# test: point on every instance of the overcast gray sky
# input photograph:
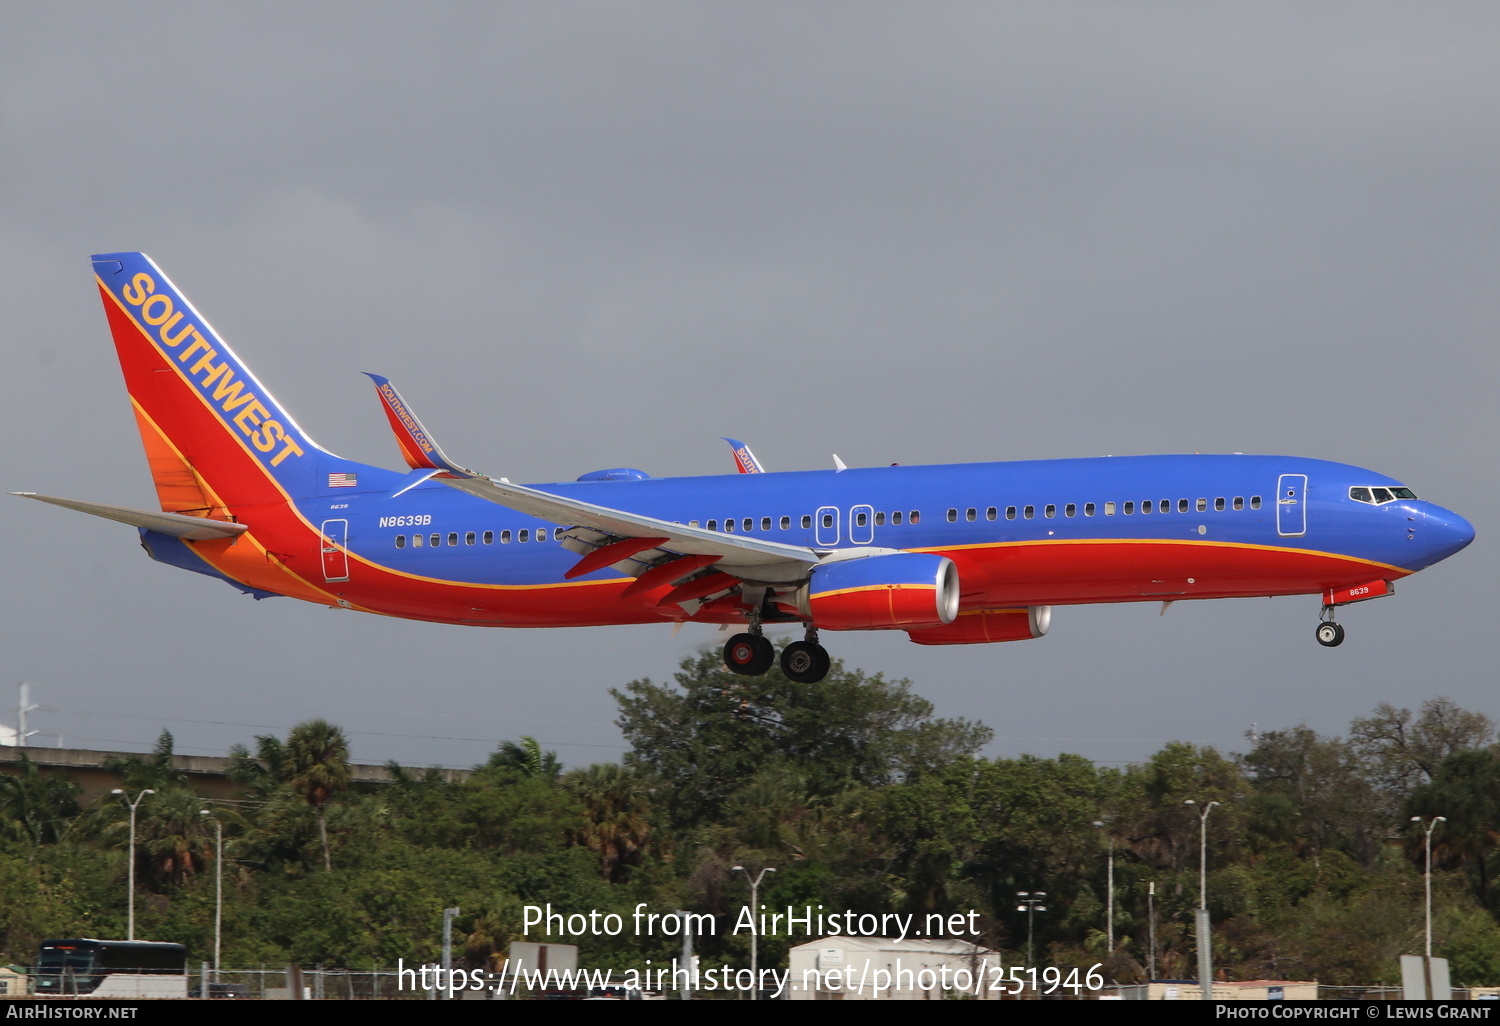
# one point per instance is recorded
(592, 235)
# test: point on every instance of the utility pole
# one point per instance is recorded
(133, 805)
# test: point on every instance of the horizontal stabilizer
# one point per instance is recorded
(174, 524)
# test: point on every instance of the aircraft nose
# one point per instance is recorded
(1442, 532)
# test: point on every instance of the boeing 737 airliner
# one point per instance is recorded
(952, 555)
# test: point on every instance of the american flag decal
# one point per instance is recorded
(342, 480)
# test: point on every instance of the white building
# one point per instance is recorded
(885, 969)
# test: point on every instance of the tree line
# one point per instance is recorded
(851, 789)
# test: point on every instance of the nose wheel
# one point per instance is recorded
(1330, 632)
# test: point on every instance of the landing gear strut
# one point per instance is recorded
(1330, 632)
(806, 661)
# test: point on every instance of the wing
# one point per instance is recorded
(652, 550)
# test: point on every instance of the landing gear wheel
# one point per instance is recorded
(1330, 634)
(749, 654)
(805, 662)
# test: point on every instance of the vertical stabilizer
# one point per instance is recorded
(215, 437)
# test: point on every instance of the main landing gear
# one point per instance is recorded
(1330, 631)
(751, 654)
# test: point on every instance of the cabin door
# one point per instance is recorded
(335, 556)
(1291, 505)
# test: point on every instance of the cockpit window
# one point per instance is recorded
(1379, 496)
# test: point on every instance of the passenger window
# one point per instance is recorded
(1202, 505)
(879, 519)
(1146, 506)
(953, 516)
(489, 537)
(713, 525)
(1050, 510)
(1071, 509)
(524, 536)
(436, 540)
(1255, 502)
(453, 538)
(1088, 509)
(806, 521)
(827, 520)
(693, 523)
(915, 517)
(971, 514)
(786, 523)
(1182, 505)
(416, 541)
(765, 523)
(1109, 509)
(400, 541)
(991, 513)
(1219, 504)
(1010, 512)
(1029, 512)
(1239, 502)
(896, 517)
(748, 525)
(541, 534)
(861, 520)
(1165, 506)
(728, 525)
(1129, 508)
(469, 538)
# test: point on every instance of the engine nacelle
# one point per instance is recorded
(900, 591)
(987, 625)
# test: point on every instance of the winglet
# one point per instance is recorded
(744, 459)
(416, 445)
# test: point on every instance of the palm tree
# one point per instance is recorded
(316, 766)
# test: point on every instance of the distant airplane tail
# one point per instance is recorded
(215, 437)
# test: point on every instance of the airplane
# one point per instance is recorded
(952, 555)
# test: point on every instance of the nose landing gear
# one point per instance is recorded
(1330, 632)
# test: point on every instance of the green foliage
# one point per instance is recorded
(712, 733)
(851, 790)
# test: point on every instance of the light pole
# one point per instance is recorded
(1200, 918)
(130, 930)
(1109, 918)
(754, 907)
(218, 888)
(1151, 931)
(1031, 904)
(1428, 845)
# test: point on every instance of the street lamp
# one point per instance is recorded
(1110, 915)
(218, 888)
(138, 799)
(1031, 903)
(1200, 918)
(1428, 845)
(754, 906)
